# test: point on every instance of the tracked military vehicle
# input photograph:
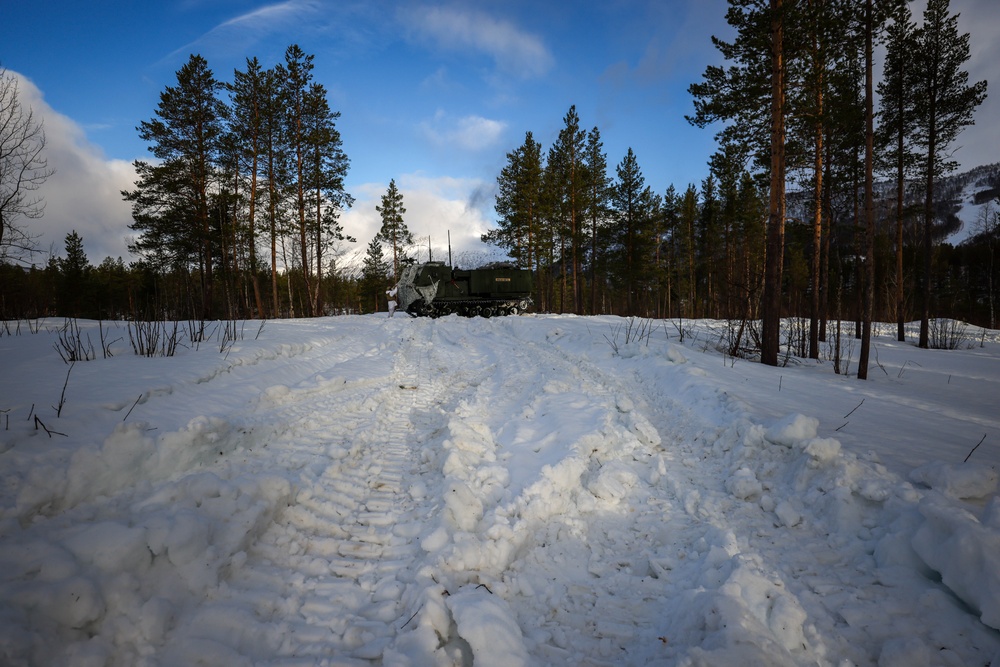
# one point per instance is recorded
(435, 289)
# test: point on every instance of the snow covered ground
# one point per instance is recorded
(529, 490)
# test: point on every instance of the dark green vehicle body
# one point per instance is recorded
(435, 289)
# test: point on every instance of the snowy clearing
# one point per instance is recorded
(526, 490)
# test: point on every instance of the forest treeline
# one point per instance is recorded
(820, 203)
(790, 221)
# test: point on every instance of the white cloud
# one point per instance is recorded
(84, 192)
(471, 133)
(435, 207)
(512, 49)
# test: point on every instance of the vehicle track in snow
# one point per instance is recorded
(680, 534)
(592, 578)
(338, 573)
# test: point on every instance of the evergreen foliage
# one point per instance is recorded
(267, 167)
(394, 230)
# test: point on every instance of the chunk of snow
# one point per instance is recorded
(613, 481)
(743, 484)
(957, 480)
(486, 622)
(792, 429)
(966, 554)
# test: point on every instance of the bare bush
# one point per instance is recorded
(70, 344)
(634, 329)
(946, 334)
(152, 339)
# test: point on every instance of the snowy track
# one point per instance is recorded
(330, 580)
(488, 492)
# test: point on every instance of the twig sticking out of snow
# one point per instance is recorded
(855, 408)
(62, 396)
(38, 422)
(132, 408)
(975, 448)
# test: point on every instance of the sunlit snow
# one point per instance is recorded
(531, 490)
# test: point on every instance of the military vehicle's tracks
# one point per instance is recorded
(333, 580)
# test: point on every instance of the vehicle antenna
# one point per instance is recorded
(449, 249)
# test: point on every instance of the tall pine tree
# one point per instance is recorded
(897, 100)
(170, 205)
(518, 204)
(945, 104)
(598, 205)
(394, 230)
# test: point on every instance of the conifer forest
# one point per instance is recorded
(828, 204)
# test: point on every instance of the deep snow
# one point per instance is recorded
(518, 491)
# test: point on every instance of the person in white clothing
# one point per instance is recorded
(391, 293)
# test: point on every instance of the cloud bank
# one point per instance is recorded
(84, 193)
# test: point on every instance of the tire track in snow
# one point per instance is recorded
(788, 569)
(552, 591)
(335, 577)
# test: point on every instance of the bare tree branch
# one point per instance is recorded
(23, 169)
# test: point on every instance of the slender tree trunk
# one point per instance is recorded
(301, 194)
(814, 310)
(900, 185)
(824, 280)
(318, 289)
(900, 191)
(206, 240)
(858, 250)
(593, 258)
(253, 235)
(925, 291)
(869, 283)
(771, 303)
(272, 212)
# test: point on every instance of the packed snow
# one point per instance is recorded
(534, 490)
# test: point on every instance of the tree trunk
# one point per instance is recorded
(771, 303)
(869, 283)
(925, 291)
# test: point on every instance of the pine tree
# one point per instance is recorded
(569, 194)
(709, 245)
(325, 170)
(686, 244)
(598, 205)
(896, 125)
(945, 104)
(868, 297)
(666, 247)
(394, 230)
(74, 272)
(276, 173)
(824, 28)
(756, 81)
(374, 273)
(170, 205)
(519, 191)
(634, 207)
(247, 108)
(296, 82)
(774, 254)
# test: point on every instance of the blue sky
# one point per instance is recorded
(431, 94)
